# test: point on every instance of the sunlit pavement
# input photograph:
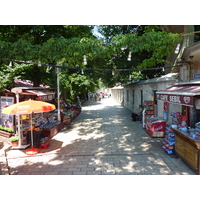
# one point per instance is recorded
(102, 140)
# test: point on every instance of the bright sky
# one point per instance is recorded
(102, 12)
(96, 33)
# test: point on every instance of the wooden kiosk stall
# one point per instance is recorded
(187, 143)
(188, 149)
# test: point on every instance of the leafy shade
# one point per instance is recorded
(159, 44)
(68, 44)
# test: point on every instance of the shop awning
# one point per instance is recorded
(179, 94)
(43, 95)
(39, 92)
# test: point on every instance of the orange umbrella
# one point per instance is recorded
(29, 107)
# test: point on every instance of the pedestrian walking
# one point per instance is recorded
(100, 96)
(95, 97)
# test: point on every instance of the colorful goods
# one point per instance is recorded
(169, 140)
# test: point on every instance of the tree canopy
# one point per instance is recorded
(66, 46)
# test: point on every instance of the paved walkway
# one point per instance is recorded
(102, 140)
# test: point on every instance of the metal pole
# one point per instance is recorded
(31, 131)
(58, 92)
(18, 119)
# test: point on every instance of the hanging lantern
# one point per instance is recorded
(129, 56)
(10, 64)
(177, 49)
(84, 60)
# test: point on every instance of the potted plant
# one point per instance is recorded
(14, 141)
(7, 132)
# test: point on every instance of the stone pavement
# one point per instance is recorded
(102, 140)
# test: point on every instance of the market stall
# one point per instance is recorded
(26, 110)
(182, 132)
(46, 121)
(69, 113)
(187, 146)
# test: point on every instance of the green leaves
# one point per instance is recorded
(160, 44)
(68, 44)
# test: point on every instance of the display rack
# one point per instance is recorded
(149, 111)
(169, 140)
(47, 122)
(150, 108)
(175, 117)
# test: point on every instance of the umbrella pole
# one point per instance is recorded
(19, 130)
(33, 150)
(31, 131)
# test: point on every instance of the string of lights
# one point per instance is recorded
(92, 69)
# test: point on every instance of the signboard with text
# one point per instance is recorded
(196, 76)
(6, 120)
(178, 99)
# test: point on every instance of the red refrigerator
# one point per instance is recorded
(155, 127)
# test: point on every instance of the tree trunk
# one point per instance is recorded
(173, 58)
(36, 76)
(36, 82)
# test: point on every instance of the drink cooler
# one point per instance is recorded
(155, 127)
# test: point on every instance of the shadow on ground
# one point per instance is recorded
(101, 140)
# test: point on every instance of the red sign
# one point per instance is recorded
(178, 99)
(165, 106)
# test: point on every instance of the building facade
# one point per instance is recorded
(184, 96)
(137, 92)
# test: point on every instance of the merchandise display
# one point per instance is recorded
(169, 140)
(187, 140)
(150, 108)
(44, 125)
(70, 113)
(39, 119)
(179, 122)
(148, 112)
(42, 122)
(195, 133)
(175, 117)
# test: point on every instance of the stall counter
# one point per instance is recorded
(188, 149)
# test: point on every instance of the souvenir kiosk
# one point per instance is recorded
(184, 123)
(45, 121)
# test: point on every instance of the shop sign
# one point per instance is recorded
(46, 97)
(6, 120)
(196, 76)
(178, 99)
(16, 90)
